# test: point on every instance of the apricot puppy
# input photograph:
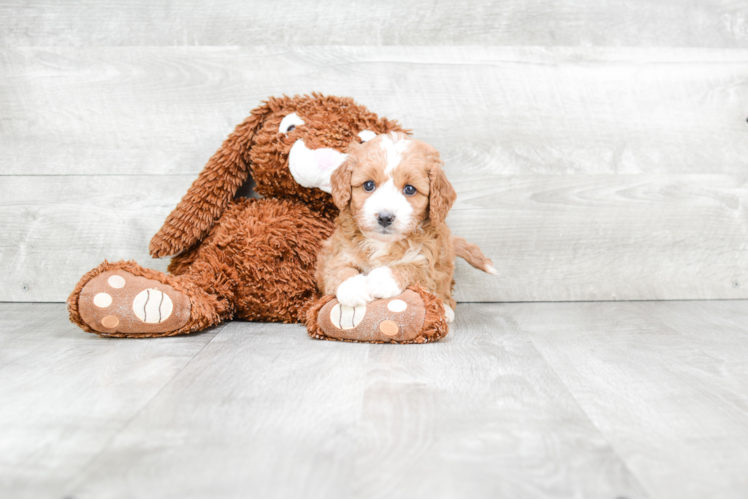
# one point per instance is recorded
(393, 198)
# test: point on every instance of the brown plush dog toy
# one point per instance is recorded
(252, 259)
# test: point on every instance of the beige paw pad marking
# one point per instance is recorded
(102, 300)
(116, 281)
(389, 328)
(397, 305)
(109, 321)
(152, 306)
(346, 317)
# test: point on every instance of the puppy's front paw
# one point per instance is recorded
(353, 291)
(382, 284)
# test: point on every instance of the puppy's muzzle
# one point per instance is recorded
(385, 218)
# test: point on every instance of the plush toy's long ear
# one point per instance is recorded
(208, 196)
(441, 194)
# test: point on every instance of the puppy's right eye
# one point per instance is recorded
(369, 186)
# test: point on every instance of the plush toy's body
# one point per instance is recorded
(242, 258)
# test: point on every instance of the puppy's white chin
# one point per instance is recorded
(384, 238)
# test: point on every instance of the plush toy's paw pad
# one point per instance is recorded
(346, 317)
(387, 320)
(120, 302)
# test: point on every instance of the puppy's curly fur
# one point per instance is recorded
(393, 197)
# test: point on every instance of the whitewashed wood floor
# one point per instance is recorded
(608, 399)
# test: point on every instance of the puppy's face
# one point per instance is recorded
(392, 184)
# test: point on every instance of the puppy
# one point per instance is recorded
(393, 197)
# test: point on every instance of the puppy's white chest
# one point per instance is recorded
(378, 250)
(386, 254)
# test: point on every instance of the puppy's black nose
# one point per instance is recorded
(385, 218)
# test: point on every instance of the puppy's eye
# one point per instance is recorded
(409, 190)
(290, 122)
(369, 186)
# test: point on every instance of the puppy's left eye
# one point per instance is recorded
(409, 190)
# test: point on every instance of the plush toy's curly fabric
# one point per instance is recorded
(239, 258)
(257, 146)
(260, 258)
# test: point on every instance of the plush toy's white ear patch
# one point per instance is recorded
(312, 168)
(367, 135)
(288, 121)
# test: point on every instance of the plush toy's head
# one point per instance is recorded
(289, 145)
(302, 140)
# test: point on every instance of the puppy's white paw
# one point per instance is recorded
(382, 284)
(449, 313)
(354, 291)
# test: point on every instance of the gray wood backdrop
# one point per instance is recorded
(599, 148)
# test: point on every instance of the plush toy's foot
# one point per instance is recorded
(117, 303)
(415, 316)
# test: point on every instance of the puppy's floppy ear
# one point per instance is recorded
(340, 184)
(340, 180)
(441, 193)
